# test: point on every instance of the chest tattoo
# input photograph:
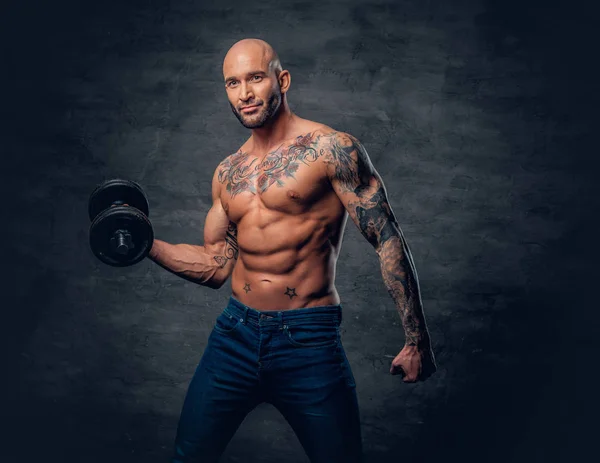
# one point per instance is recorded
(242, 173)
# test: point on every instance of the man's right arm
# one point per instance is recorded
(209, 265)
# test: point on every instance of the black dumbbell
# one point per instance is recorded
(121, 233)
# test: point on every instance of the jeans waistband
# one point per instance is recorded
(322, 314)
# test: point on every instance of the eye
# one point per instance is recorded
(257, 78)
(232, 83)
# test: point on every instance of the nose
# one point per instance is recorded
(245, 92)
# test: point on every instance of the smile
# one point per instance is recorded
(249, 109)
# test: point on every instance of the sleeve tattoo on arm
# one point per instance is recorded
(368, 206)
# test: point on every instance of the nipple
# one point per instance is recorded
(293, 195)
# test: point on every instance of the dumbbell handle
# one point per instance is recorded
(121, 241)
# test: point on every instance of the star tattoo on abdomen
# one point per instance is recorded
(291, 292)
(247, 287)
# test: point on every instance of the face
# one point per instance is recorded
(253, 89)
(256, 117)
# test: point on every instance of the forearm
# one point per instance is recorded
(400, 278)
(360, 188)
(188, 261)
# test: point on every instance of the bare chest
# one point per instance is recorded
(289, 180)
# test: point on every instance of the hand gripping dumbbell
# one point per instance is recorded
(121, 233)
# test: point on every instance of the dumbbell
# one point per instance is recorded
(120, 233)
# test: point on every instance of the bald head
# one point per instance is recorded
(256, 84)
(252, 52)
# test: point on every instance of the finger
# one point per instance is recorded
(397, 370)
(414, 374)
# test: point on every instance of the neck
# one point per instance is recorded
(275, 131)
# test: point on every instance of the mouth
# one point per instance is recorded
(249, 109)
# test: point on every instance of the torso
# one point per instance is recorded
(290, 222)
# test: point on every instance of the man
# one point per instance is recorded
(280, 205)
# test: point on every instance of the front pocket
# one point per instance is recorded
(226, 323)
(301, 336)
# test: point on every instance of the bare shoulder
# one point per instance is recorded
(325, 135)
(346, 160)
(222, 171)
(321, 133)
(233, 159)
(339, 146)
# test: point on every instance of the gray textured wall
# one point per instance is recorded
(479, 116)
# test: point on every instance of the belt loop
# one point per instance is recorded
(245, 316)
(281, 324)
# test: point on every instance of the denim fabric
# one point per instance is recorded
(292, 359)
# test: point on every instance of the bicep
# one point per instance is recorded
(217, 226)
(220, 234)
(361, 190)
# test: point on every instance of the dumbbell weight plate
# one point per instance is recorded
(121, 236)
(117, 191)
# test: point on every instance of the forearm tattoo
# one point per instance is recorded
(400, 280)
(355, 178)
(231, 246)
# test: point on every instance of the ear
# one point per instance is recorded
(285, 80)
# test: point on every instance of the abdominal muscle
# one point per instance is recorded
(287, 265)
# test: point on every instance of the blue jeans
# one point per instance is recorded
(292, 359)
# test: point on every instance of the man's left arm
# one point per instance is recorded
(362, 192)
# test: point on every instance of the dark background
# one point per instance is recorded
(480, 116)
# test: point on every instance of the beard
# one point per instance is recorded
(265, 114)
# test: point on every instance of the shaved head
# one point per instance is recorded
(255, 82)
(255, 50)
